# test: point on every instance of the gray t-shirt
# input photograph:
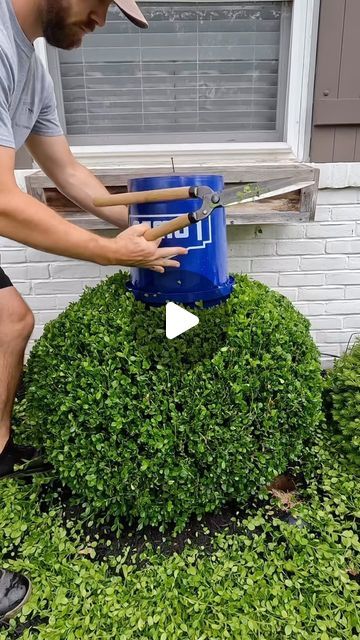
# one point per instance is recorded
(27, 99)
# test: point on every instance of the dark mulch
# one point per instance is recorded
(200, 532)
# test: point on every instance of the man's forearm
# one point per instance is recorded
(80, 185)
(26, 220)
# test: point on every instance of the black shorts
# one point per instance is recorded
(4, 280)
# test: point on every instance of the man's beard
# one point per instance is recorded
(57, 31)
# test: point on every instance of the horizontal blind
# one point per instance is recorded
(200, 67)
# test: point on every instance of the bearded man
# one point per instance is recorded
(28, 115)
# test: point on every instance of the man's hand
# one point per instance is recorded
(131, 249)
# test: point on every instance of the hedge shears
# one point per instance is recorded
(211, 200)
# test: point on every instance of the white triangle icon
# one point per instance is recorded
(178, 320)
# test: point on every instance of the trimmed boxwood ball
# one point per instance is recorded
(155, 429)
(343, 391)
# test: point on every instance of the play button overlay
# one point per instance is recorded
(178, 320)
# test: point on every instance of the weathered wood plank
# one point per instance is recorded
(248, 173)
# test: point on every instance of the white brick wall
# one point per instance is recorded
(315, 265)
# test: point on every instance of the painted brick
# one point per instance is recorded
(322, 214)
(37, 333)
(33, 255)
(62, 286)
(29, 346)
(109, 271)
(355, 336)
(330, 230)
(325, 175)
(332, 337)
(321, 293)
(301, 279)
(41, 302)
(331, 349)
(328, 322)
(299, 247)
(28, 272)
(239, 265)
(253, 248)
(343, 246)
(354, 262)
(11, 256)
(275, 264)
(62, 301)
(24, 288)
(239, 233)
(339, 175)
(352, 293)
(353, 176)
(74, 270)
(11, 244)
(310, 308)
(338, 196)
(270, 279)
(352, 322)
(327, 363)
(42, 317)
(345, 213)
(345, 307)
(323, 263)
(291, 294)
(278, 231)
(343, 277)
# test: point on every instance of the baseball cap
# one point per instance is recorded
(132, 12)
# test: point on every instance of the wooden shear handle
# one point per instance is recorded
(142, 197)
(168, 227)
(155, 195)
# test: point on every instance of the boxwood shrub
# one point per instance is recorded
(155, 429)
(343, 395)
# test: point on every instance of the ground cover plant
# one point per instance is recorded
(268, 580)
(343, 398)
(143, 427)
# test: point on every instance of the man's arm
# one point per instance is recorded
(76, 182)
(25, 219)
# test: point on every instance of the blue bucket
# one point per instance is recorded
(203, 272)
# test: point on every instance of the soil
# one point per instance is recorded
(112, 541)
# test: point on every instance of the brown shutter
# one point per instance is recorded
(336, 120)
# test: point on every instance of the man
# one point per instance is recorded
(28, 116)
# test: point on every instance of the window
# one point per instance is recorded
(203, 72)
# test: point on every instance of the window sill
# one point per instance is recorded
(184, 155)
(339, 175)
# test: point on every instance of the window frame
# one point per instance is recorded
(298, 115)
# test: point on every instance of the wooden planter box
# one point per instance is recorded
(296, 207)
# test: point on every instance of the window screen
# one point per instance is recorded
(202, 72)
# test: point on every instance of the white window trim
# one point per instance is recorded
(298, 117)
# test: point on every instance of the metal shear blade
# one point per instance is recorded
(242, 194)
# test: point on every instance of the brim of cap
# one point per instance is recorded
(132, 12)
